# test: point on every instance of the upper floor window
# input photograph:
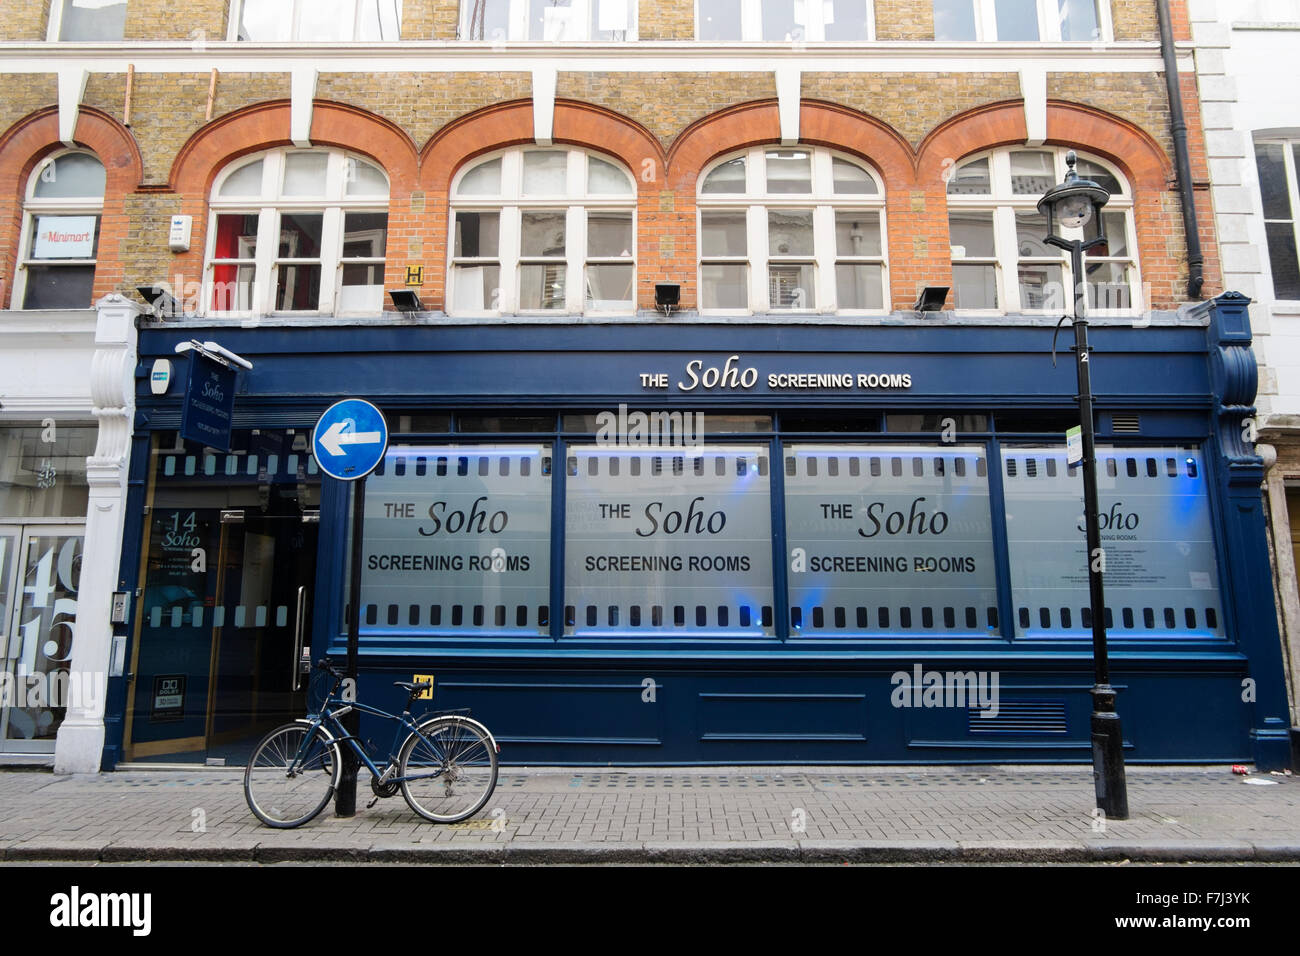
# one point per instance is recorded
(298, 231)
(1000, 258)
(1022, 20)
(791, 230)
(1277, 164)
(362, 21)
(784, 21)
(56, 258)
(543, 230)
(548, 20)
(88, 20)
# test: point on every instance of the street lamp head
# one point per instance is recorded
(1074, 203)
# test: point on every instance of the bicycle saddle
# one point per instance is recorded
(410, 688)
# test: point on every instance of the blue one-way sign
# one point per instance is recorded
(350, 439)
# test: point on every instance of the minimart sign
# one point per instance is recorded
(64, 237)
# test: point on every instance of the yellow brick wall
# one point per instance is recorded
(25, 93)
(1134, 19)
(912, 103)
(1140, 98)
(423, 104)
(666, 20)
(143, 252)
(166, 109)
(24, 20)
(430, 19)
(197, 20)
(666, 103)
(904, 19)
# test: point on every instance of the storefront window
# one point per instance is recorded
(43, 471)
(887, 539)
(1161, 575)
(668, 542)
(457, 540)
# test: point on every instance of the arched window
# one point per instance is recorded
(791, 230)
(65, 197)
(1000, 261)
(298, 230)
(338, 21)
(543, 230)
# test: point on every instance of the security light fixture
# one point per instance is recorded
(162, 302)
(931, 299)
(667, 296)
(406, 300)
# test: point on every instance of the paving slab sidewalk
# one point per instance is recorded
(676, 815)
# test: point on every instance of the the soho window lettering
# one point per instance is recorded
(879, 539)
(457, 539)
(889, 538)
(1161, 574)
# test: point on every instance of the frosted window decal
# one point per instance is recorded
(1161, 576)
(462, 549)
(677, 545)
(872, 550)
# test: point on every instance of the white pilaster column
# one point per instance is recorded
(80, 742)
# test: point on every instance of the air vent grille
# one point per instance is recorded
(1126, 424)
(1020, 717)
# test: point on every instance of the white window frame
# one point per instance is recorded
(517, 18)
(1289, 147)
(823, 201)
(1049, 23)
(269, 207)
(751, 23)
(55, 26)
(511, 204)
(299, 7)
(1004, 205)
(63, 206)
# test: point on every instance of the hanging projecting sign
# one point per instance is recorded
(209, 402)
(350, 439)
(64, 237)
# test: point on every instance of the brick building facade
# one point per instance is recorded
(532, 172)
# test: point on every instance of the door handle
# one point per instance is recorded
(299, 651)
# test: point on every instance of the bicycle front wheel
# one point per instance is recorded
(290, 777)
(448, 769)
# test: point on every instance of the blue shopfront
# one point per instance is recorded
(692, 543)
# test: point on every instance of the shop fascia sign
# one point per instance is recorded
(64, 237)
(732, 374)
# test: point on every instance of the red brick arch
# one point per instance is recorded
(33, 138)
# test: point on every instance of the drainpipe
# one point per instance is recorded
(1195, 260)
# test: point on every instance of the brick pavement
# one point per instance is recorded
(733, 814)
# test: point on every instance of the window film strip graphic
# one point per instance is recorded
(672, 541)
(889, 539)
(182, 610)
(457, 538)
(1160, 576)
(261, 466)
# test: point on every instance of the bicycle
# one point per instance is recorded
(446, 767)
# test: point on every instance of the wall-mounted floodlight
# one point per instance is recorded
(213, 351)
(406, 300)
(162, 302)
(667, 296)
(931, 299)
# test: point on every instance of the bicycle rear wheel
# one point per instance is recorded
(281, 798)
(449, 769)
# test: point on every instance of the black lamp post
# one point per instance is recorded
(1073, 205)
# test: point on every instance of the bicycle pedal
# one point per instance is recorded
(372, 803)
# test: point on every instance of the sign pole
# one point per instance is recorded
(345, 801)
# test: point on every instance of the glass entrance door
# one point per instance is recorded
(40, 571)
(226, 604)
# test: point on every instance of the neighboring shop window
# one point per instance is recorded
(889, 539)
(270, 21)
(65, 196)
(1161, 577)
(497, 21)
(1277, 164)
(543, 230)
(298, 231)
(1000, 259)
(43, 471)
(457, 540)
(784, 21)
(791, 230)
(1022, 20)
(675, 542)
(90, 20)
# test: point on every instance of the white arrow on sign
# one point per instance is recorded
(335, 438)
